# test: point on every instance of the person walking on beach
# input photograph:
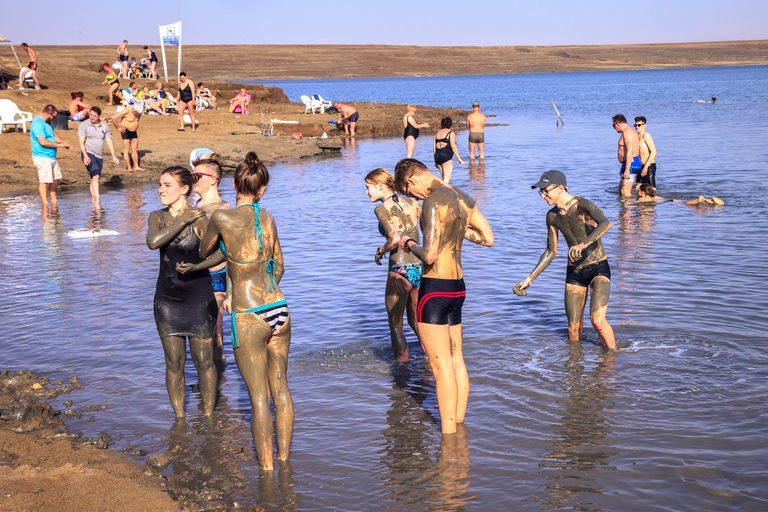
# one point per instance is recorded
(129, 127)
(184, 305)
(112, 80)
(349, 117)
(411, 130)
(186, 100)
(92, 134)
(448, 216)
(261, 322)
(444, 154)
(629, 154)
(44, 144)
(582, 224)
(398, 217)
(31, 66)
(122, 57)
(152, 63)
(476, 127)
(647, 155)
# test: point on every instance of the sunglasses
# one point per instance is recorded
(639, 124)
(198, 175)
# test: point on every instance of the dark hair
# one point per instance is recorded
(714, 99)
(146, 47)
(475, 104)
(446, 122)
(49, 109)
(640, 118)
(182, 175)
(96, 109)
(210, 164)
(182, 74)
(251, 175)
(619, 118)
(76, 95)
(406, 168)
(647, 189)
(200, 84)
(131, 84)
(24, 44)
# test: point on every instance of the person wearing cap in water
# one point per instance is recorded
(582, 224)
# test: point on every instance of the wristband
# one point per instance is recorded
(379, 253)
(410, 240)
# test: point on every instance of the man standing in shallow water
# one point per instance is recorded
(476, 126)
(44, 143)
(448, 216)
(582, 224)
(647, 155)
(92, 134)
(629, 154)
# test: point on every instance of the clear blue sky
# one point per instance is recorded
(425, 22)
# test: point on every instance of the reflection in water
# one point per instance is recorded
(477, 186)
(416, 470)
(578, 446)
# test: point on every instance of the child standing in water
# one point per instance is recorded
(261, 323)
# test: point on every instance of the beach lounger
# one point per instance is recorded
(319, 99)
(311, 104)
(10, 115)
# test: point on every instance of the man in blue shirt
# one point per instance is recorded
(44, 143)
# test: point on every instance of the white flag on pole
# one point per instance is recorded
(171, 35)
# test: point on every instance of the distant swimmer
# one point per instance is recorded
(184, 305)
(629, 154)
(261, 322)
(476, 127)
(647, 155)
(411, 130)
(705, 101)
(398, 218)
(448, 217)
(444, 147)
(646, 194)
(349, 117)
(582, 224)
(31, 66)
(129, 130)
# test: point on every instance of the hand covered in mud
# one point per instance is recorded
(404, 244)
(519, 288)
(183, 268)
(227, 304)
(377, 257)
(191, 216)
(574, 253)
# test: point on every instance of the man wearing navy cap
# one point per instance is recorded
(582, 224)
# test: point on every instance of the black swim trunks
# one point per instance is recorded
(585, 275)
(123, 58)
(440, 301)
(650, 176)
(128, 135)
(353, 118)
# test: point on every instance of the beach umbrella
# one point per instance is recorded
(6, 40)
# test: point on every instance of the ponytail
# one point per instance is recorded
(251, 175)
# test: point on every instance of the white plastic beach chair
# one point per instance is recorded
(11, 115)
(319, 99)
(311, 104)
(29, 81)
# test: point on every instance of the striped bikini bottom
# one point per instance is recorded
(275, 314)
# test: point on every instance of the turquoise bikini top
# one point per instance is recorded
(270, 263)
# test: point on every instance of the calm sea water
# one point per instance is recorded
(675, 421)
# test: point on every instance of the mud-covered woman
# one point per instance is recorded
(398, 217)
(185, 307)
(261, 325)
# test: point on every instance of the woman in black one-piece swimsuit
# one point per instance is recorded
(185, 306)
(186, 100)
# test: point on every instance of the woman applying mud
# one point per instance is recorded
(582, 224)
(185, 306)
(398, 217)
(261, 324)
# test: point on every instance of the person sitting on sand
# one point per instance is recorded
(647, 194)
(205, 97)
(240, 102)
(112, 80)
(78, 110)
(152, 100)
(4, 80)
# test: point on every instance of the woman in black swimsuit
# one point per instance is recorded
(185, 306)
(444, 154)
(411, 132)
(186, 100)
